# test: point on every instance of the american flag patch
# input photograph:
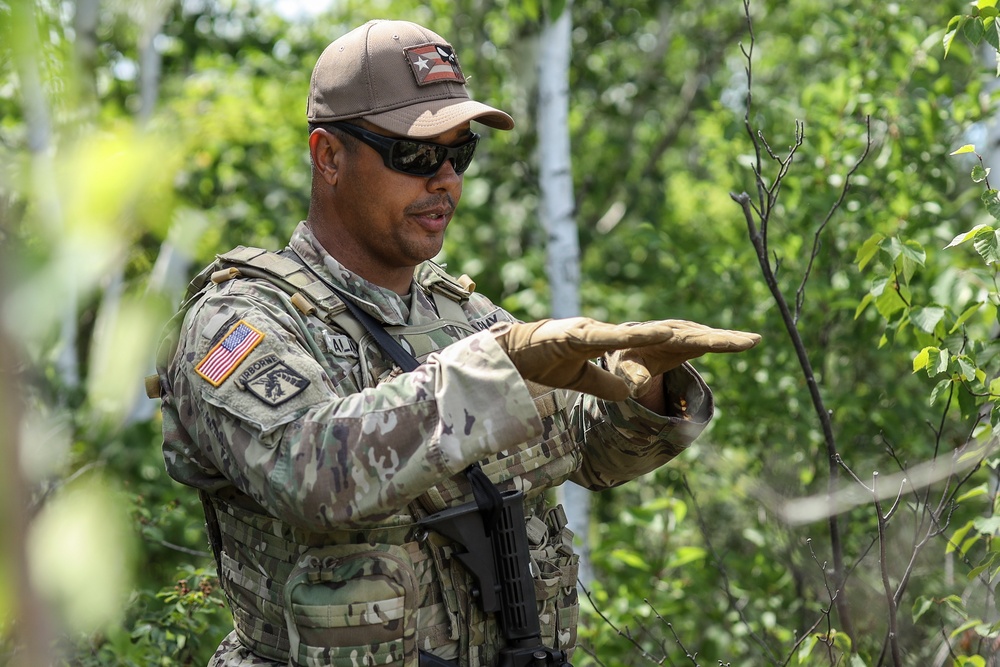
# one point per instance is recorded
(433, 63)
(227, 355)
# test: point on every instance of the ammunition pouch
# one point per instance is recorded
(352, 604)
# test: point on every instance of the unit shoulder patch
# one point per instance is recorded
(228, 353)
(272, 381)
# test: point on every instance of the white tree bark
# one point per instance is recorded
(557, 213)
(36, 632)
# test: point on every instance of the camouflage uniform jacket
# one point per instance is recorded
(315, 457)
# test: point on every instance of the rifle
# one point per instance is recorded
(498, 560)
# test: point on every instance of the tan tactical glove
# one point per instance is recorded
(556, 353)
(639, 365)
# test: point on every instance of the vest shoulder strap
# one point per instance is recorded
(447, 291)
(307, 293)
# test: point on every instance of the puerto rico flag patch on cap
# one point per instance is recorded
(227, 355)
(434, 63)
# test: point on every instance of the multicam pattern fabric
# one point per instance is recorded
(316, 457)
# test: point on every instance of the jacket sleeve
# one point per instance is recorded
(622, 441)
(274, 424)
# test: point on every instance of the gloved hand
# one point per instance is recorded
(638, 365)
(556, 353)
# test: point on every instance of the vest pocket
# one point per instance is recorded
(555, 584)
(558, 601)
(352, 605)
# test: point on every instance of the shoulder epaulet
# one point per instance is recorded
(434, 277)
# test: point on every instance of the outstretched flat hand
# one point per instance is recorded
(638, 365)
(557, 353)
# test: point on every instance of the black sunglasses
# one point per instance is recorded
(416, 158)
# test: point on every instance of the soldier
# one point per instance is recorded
(330, 400)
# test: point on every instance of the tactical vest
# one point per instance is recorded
(350, 597)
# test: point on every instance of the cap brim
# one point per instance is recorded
(431, 118)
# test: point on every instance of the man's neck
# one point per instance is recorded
(391, 278)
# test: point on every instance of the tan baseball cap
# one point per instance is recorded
(398, 75)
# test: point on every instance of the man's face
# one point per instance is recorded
(384, 222)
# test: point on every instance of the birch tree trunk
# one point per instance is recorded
(29, 608)
(563, 250)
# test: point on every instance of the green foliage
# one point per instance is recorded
(976, 27)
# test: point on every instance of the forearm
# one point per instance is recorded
(656, 398)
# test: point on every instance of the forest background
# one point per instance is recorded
(840, 509)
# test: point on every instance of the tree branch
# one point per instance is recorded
(758, 237)
(890, 598)
(800, 294)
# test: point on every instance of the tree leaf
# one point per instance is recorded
(889, 303)
(979, 173)
(992, 201)
(684, 555)
(807, 647)
(923, 358)
(975, 492)
(893, 247)
(865, 301)
(966, 314)
(878, 286)
(965, 236)
(868, 250)
(949, 38)
(939, 389)
(973, 30)
(992, 35)
(967, 148)
(968, 625)
(630, 558)
(967, 369)
(942, 361)
(914, 251)
(987, 525)
(927, 319)
(957, 537)
(979, 569)
(920, 606)
(987, 244)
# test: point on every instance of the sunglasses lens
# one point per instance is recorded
(463, 158)
(418, 158)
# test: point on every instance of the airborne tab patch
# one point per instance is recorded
(434, 63)
(272, 381)
(227, 355)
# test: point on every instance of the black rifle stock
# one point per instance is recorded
(501, 566)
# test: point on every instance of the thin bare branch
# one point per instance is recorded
(626, 633)
(800, 294)
(890, 598)
(687, 654)
(721, 568)
(819, 407)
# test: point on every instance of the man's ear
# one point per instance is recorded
(327, 153)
